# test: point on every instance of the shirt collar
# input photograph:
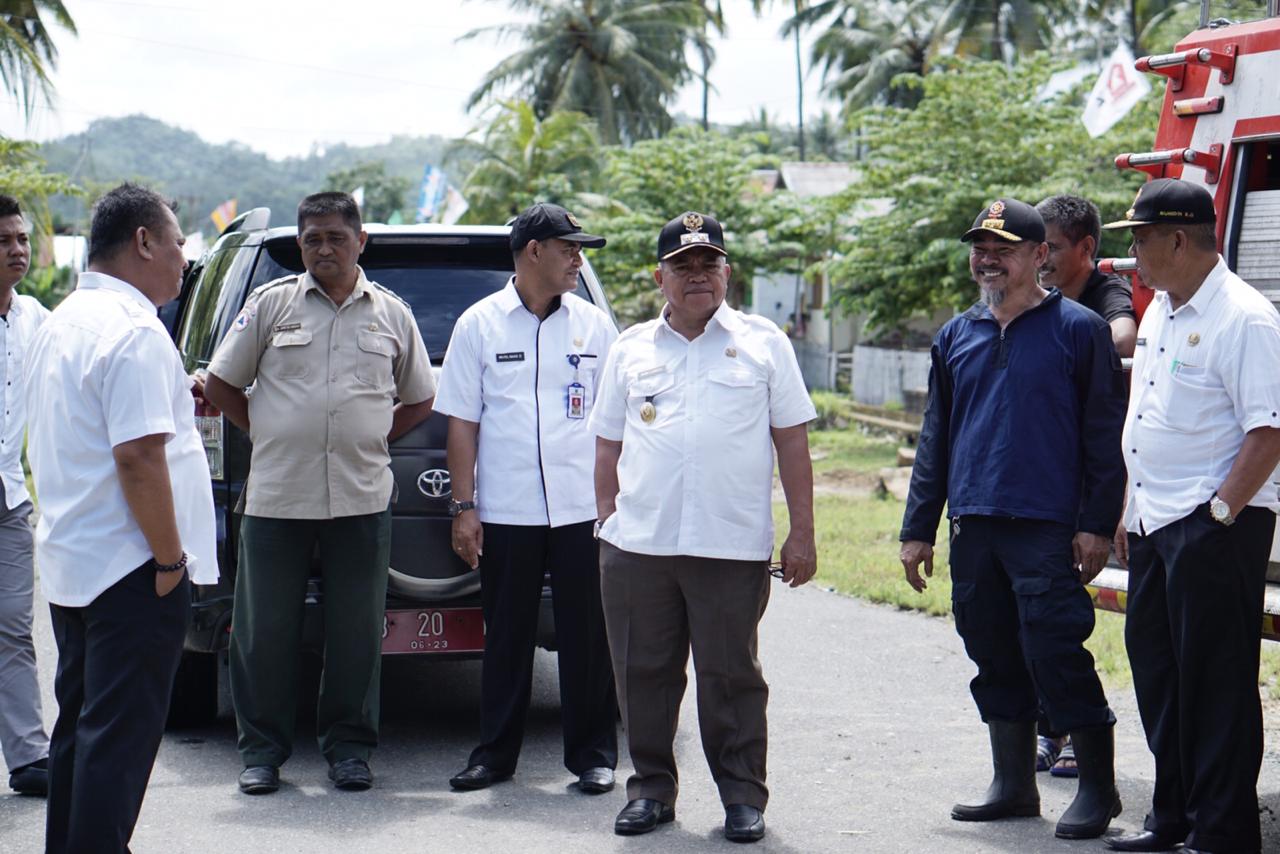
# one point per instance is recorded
(1209, 288)
(509, 300)
(725, 316)
(90, 280)
(362, 287)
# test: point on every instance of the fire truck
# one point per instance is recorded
(1220, 127)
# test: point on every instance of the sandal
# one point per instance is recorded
(1066, 764)
(1046, 752)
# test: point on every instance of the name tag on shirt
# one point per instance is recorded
(577, 401)
(286, 327)
(511, 357)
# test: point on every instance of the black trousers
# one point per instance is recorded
(1024, 617)
(511, 572)
(1194, 613)
(117, 657)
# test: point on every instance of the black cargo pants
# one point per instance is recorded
(1024, 617)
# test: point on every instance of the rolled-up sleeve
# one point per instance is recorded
(928, 492)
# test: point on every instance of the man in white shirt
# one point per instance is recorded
(691, 407)
(126, 517)
(518, 384)
(22, 735)
(1202, 439)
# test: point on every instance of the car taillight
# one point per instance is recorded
(209, 424)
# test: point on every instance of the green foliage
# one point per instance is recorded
(979, 132)
(27, 51)
(47, 284)
(383, 194)
(521, 159)
(24, 176)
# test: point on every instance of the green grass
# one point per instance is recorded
(857, 538)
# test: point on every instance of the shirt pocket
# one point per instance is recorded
(658, 391)
(292, 354)
(374, 353)
(735, 395)
(1195, 395)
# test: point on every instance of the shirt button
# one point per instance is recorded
(1153, 382)
(1161, 349)
(1135, 450)
(1139, 417)
(1138, 484)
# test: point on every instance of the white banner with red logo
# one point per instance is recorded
(1119, 87)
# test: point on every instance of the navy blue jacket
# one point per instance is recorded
(1022, 423)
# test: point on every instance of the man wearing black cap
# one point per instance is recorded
(691, 406)
(1021, 441)
(518, 384)
(1201, 439)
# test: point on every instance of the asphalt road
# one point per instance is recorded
(873, 737)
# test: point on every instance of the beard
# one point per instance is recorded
(993, 297)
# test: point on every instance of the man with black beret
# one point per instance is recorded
(1021, 441)
(518, 383)
(1201, 440)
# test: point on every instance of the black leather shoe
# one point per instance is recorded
(476, 777)
(641, 816)
(31, 779)
(743, 823)
(351, 775)
(596, 781)
(1146, 840)
(259, 779)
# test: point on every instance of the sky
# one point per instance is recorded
(284, 76)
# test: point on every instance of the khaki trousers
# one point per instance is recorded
(656, 608)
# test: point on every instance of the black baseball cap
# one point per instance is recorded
(689, 231)
(545, 221)
(1168, 200)
(1008, 219)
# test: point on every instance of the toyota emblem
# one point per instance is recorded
(434, 483)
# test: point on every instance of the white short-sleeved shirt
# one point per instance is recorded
(16, 331)
(103, 371)
(1204, 375)
(511, 374)
(697, 479)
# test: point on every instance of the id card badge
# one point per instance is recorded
(577, 400)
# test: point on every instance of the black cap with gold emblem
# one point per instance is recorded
(689, 231)
(1168, 200)
(1008, 219)
(545, 221)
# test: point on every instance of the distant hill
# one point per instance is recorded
(202, 175)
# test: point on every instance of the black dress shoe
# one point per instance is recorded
(1146, 840)
(641, 816)
(596, 781)
(351, 775)
(477, 777)
(743, 823)
(259, 779)
(31, 779)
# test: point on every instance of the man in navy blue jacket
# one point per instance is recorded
(1021, 440)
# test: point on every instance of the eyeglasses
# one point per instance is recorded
(775, 569)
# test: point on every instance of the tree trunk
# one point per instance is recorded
(799, 85)
(1133, 28)
(706, 87)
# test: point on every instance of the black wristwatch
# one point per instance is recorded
(457, 508)
(170, 567)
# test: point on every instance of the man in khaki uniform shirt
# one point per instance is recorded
(327, 352)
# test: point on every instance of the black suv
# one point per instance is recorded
(433, 602)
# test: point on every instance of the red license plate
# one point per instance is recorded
(433, 630)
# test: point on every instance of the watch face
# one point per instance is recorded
(1219, 510)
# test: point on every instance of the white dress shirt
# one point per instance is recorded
(511, 373)
(103, 371)
(16, 331)
(697, 479)
(1204, 375)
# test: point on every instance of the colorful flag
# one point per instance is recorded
(454, 206)
(431, 195)
(396, 218)
(1119, 87)
(223, 214)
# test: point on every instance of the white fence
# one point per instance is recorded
(880, 375)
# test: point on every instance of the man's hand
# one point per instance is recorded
(468, 537)
(167, 581)
(799, 557)
(197, 386)
(1121, 543)
(1090, 551)
(912, 554)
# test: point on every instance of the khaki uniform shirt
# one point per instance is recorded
(324, 381)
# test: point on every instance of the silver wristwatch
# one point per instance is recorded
(1220, 512)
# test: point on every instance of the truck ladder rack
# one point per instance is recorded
(1154, 162)
(1174, 65)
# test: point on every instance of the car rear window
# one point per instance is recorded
(439, 279)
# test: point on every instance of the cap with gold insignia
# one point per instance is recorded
(545, 221)
(1008, 219)
(689, 231)
(1169, 200)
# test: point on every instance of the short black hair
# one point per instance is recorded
(1201, 235)
(1075, 217)
(119, 214)
(327, 204)
(9, 206)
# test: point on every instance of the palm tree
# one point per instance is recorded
(618, 61)
(714, 20)
(793, 26)
(27, 51)
(521, 159)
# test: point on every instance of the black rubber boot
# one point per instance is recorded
(1013, 785)
(1097, 801)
